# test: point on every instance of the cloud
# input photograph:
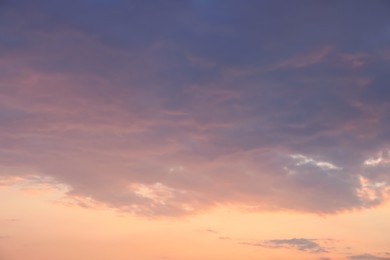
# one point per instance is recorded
(298, 62)
(12, 220)
(302, 160)
(31, 184)
(212, 231)
(368, 257)
(301, 244)
(176, 115)
(380, 159)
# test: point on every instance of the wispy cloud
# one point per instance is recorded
(12, 220)
(212, 231)
(298, 62)
(301, 244)
(368, 257)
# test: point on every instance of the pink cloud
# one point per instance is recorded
(145, 131)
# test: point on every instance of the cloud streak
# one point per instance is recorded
(301, 244)
(368, 257)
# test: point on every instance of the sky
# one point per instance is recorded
(194, 129)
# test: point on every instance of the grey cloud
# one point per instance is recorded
(301, 244)
(109, 103)
(368, 257)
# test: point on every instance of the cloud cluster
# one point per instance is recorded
(192, 109)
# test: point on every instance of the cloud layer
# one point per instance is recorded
(174, 108)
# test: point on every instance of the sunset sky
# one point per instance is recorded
(194, 130)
